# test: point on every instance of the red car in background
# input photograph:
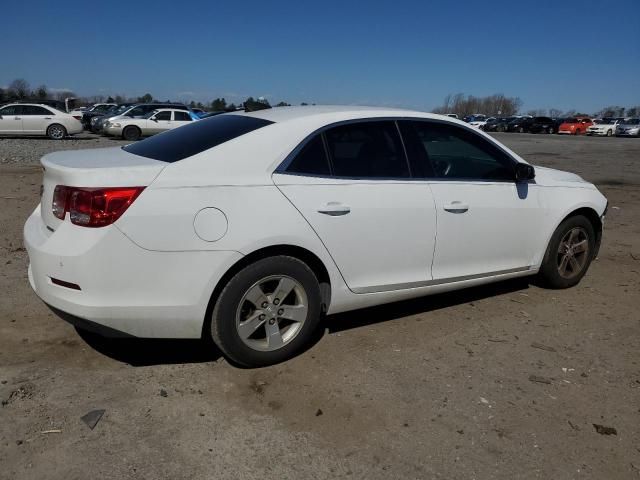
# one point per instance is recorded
(575, 126)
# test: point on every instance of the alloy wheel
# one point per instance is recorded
(272, 313)
(56, 132)
(573, 253)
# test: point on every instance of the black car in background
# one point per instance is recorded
(497, 124)
(99, 112)
(542, 125)
(519, 124)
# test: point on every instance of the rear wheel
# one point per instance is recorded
(56, 132)
(267, 312)
(577, 131)
(569, 253)
(131, 133)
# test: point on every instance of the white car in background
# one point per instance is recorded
(154, 122)
(481, 123)
(248, 227)
(604, 127)
(36, 119)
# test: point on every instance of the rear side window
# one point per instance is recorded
(12, 110)
(311, 160)
(163, 116)
(367, 150)
(35, 110)
(181, 116)
(196, 137)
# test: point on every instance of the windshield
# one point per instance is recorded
(571, 120)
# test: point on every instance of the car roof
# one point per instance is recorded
(335, 113)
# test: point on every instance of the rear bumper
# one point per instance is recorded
(123, 288)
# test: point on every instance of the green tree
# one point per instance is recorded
(3, 95)
(283, 104)
(218, 105)
(110, 99)
(41, 92)
(19, 89)
(146, 98)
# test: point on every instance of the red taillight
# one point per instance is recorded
(93, 207)
(77, 117)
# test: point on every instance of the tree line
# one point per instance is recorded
(500, 105)
(458, 103)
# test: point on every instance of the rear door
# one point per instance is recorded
(487, 223)
(180, 118)
(11, 120)
(353, 185)
(35, 119)
(160, 122)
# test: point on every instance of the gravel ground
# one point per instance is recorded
(506, 381)
(28, 151)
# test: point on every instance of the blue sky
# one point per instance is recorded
(580, 55)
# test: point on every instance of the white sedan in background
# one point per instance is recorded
(247, 228)
(154, 122)
(36, 119)
(604, 127)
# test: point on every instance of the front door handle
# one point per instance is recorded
(456, 207)
(334, 209)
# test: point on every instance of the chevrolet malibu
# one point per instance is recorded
(248, 228)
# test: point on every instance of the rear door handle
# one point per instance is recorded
(334, 209)
(456, 207)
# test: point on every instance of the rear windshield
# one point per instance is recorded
(201, 135)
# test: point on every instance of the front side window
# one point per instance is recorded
(450, 152)
(181, 116)
(312, 159)
(367, 150)
(12, 110)
(138, 111)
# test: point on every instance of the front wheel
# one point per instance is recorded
(609, 133)
(267, 312)
(56, 132)
(131, 133)
(569, 253)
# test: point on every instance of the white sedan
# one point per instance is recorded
(157, 121)
(35, 119)
(249, 227)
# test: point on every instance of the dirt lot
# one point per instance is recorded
(435, 388)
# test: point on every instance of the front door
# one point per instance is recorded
(487, 223)
(11, 120)
(377, 224)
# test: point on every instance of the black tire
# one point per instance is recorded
(228, 309)
(55, 131)
(609, 133)
(131, 133)
(550, 270)
(521, 130)
(577, 132)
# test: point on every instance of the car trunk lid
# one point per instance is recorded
(103, 167)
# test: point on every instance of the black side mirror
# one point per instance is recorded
(524, 172)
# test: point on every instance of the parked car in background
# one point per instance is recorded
(452, 115)
(157, 121)
(137, 110)
(90, 121)
(37, 119)
(474, 118)
(189, 217)
(498, 125)
(629, 128)
(481, 123)
(78, 113)
(541, 125)
(575, 126)
(604, 127)
(519, 124)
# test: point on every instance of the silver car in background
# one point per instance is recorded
(630, 128)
